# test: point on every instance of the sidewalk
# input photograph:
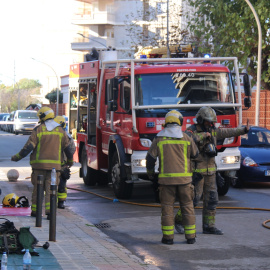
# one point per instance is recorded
(79, 244)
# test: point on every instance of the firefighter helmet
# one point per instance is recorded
(12, 200)
(206, 113)
(61, 121)
(45, 113)
(174, 117)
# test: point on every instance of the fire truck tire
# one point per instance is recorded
(122, 190)
(88, 174)
(225, 188)
(237, 181)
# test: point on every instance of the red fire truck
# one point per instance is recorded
(118, 106)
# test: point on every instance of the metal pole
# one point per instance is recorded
(53, 199)
(168, 47)
(57, 90)
(40, 193)
(259, 65)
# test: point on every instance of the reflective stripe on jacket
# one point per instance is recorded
(47, 147)
(174, 159)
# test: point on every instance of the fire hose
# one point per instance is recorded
(158, 205)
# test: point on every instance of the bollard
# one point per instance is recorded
(53, 200)
(40, 193)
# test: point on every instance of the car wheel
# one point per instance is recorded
(122, 190)
(89, 175)
(237, 182)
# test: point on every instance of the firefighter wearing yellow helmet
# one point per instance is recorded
(205, 134)
(174, 150)
(65, 171)
(46, 143)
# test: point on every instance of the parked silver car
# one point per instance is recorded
(24, 121)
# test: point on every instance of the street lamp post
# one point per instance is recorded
(257, 107)
(57, 90)
(168, 46)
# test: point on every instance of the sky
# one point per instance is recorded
(39, 29)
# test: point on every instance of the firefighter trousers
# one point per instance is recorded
(62, 190)
(207, 188)
(46, 188)
(168, 194)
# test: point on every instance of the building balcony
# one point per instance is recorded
(100, 17)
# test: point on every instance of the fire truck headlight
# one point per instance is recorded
(229, 140)
(146, 142)
(139, 162)
(230, 159)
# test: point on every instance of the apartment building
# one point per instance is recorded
(127, 25)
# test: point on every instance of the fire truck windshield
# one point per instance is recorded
(183, 88)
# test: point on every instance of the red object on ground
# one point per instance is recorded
(15, 211)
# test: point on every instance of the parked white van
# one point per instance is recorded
(24, 121)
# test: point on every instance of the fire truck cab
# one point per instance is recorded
(118, 106)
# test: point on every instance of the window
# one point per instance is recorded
(125, 95)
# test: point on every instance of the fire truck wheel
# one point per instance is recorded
(224, 189)
(122, 190)
(88, 174)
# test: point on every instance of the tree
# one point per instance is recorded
(25, 91)
(52, 96)
(228, 28)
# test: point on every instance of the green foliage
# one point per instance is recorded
(228, 28)
(52, 96)
(25, 92)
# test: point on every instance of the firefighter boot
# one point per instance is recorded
(61, 204)
(167, 241)
(191, 241)
(179, 228)
(211, 230)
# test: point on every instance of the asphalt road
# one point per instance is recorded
(244, 245)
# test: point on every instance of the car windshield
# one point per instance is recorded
(27, 115)
(183, 88)
(256, 138)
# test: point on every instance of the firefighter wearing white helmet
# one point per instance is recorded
(205, 135)
(174, 150)
(46, 143)
(65, 171)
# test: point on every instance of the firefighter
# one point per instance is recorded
(174, 150)
(46, 143)
(205, 134)
(65, 171)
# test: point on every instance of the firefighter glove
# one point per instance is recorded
(16, 157)
(65, 173)
(196, 178)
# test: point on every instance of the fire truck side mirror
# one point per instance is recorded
(247, 87)
(247, 102)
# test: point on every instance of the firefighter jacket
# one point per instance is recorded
(174, 156)
(205, 164)
(46, 147)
